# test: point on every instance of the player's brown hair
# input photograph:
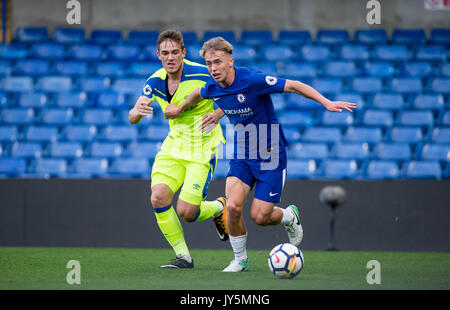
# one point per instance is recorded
(218, 44)
(172, 35)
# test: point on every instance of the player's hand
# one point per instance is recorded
(142, 106)
(172, 111)
(338, 106)
(210, 120)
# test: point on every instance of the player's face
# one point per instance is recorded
(171, 56)
(220, 65)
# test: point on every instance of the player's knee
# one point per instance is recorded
(234, 209)
(260, 219)
(159, 200)
(187, 214)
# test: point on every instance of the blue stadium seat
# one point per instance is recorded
(20, 116)
(299, 70)
(410, 134)
(27, 149)
(429, 102)
(41, 133)
(340, 68)
(266, 67)
(97, 116)
(351, 97)
(128, 86)
(26, 34)
(371, 135)
(148, 52)
(67, 150)
(112, 69)
(120, 133)
(5, 67)
(295, 101)
(417, 169)
(123, 52)
(142, 37)
(244, 54)
(31, 67)
(146, 150)
(407, 85)
(292, 134)
(301, 169)
(296, 118)
(409, 36)
(94, 167)
(315, 151)
(256, 37)
(335, 36)
(87, 52)
(315, 53)
(367, 85)
(370, 36)
(417, 69)
(94, 84)
(13, 51)
(392, 151)
(8, 133)
(328, 135)
(17, 84)
(445, 119)
(54, 84)
(13, 166)
(328, 85)
(445, 70)
(440, 135)
(354, 52)
(294, 37)
(391, 53)
(192, 54)
(131, 167)
(59, 116)
(142, 69)
(382, 169)
(357, 151)
(105, 149)
(71, 68)
(82, 133)
(71, 99)
(68, 35)
(276, 52)
(422, 118)
(435, 53)
(378, 118)
(440, 35)
(344, 119)
(379, 69)
(49, 51)
(340, 169)
(226, 34)
(155, 133)
(112, 100)
(33, 100)
(434, 151)
(105, 37)
(189, 37)
(388, 101)
(54, 167)
(441, 85)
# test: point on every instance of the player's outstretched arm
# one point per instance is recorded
(173, 110)
(140, 109)
(309, 92)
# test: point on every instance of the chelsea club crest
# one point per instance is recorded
(241, 98)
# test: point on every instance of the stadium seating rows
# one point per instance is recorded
(65, 96)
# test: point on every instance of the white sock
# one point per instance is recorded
(239, 245)
(288, 217)
(187, 257)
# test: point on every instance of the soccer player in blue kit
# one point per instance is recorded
(259, 143)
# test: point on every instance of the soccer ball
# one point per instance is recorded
(285, 261)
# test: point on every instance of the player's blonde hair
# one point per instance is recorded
(217, 44)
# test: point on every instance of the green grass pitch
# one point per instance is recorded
(25, 268)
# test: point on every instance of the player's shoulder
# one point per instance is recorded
(194, 67)
(158, 75)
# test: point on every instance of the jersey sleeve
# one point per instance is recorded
(205, 90)
(147, 90)
(264, 84)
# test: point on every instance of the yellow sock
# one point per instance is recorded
(171, 228)
(208, 209)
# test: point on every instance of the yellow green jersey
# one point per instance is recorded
(185, 139)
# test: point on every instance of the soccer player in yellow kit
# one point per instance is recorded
(188, 156)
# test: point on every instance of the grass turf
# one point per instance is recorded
(24, 268)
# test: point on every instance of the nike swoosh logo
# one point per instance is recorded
(278, 259)
(217, 98)
(296, 217)
(272, 194)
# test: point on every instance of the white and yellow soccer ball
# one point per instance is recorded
(285, 261)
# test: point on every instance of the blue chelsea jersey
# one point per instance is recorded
(248, 105)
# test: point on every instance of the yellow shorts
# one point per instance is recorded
(192, 176)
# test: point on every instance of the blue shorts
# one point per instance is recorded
(269, 183)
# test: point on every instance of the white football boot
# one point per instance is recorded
(295, 229)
